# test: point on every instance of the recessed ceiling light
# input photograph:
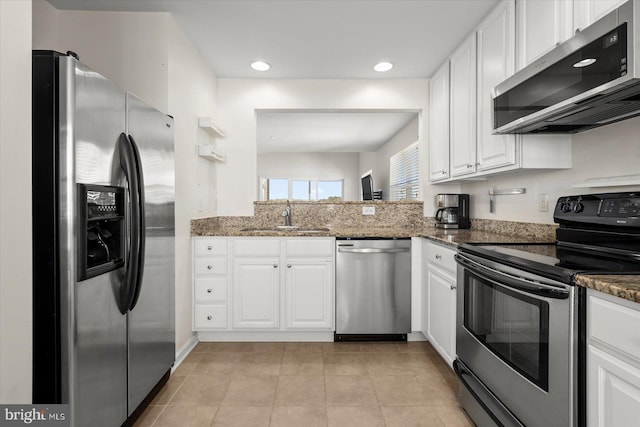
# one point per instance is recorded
(260, 66)
(381, 67)
(584, 63)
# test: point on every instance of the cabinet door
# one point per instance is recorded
(496, 62)
(255, 293)
(441, 322)
(586, 12)
(613, 390)
(541, 25)
(463, 108)
(439, 124)
(309, 294)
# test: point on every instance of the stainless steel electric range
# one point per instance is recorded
(521, 321)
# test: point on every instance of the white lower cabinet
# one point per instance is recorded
(263, 284)
(256, 286)
(613, 361)
(309, 294)
(439, 300)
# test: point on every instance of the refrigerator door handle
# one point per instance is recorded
(142, 226)
(128, 165)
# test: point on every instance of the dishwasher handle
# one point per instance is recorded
(374, 250)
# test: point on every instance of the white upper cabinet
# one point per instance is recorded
(439, 124)
(541, 25)
(586, 12)
(463, 108)
(496, 62)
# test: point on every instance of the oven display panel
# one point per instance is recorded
(625, 208)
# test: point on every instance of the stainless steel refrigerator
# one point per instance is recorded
(103, 244)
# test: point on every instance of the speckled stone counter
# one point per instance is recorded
(455, 237)
(626, 286)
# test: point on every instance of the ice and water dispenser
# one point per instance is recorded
(102, 230)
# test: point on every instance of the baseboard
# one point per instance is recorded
(265, 336)
(184, 352)
(415, 336)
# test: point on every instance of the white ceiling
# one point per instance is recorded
(337, 131)
(325, 39)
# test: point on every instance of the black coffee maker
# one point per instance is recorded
(452, 211)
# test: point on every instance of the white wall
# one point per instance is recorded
(15, 201)
(129, 48)
(611, 150)
(378, 162)
(314, 166)
(239, 98)
(147, 54)
(192, 93)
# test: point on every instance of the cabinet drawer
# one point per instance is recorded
(208, 246)
(615, 322)
(211, 266)
(210, 316)
(211, 289)
(439, 256)
(256, 247)
(300, 247)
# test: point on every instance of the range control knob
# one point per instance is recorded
(578, 207)
(565, 207)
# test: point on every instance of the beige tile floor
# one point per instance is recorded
(309, 384)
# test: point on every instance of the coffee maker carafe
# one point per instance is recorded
(452, 211)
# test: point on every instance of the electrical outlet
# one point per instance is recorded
(543, 202)
(368, 210)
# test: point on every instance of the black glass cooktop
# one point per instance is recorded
(556, 260)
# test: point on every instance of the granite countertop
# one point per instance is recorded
(456, 237)
(626, 286)
(382, 232)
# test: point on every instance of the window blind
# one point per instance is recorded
(404, 174)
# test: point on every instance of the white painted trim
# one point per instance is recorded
(184, 352)
(266, 336)
(416, 336)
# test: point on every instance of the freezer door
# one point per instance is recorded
(93, 329)
(151, 319)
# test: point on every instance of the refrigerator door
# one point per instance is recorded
(93, 331)
(151, 317)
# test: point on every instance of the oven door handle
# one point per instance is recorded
(520, 283)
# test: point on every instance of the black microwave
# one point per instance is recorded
(590, 80)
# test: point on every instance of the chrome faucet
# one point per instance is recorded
(286, 214)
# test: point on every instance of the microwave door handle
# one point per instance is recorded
(127, 163)
(140, 232)
(507, 280)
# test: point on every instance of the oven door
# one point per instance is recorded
(515, 334)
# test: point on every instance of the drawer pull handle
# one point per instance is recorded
(209, 247)
(209, 290)
(288, 265)
(453, 287)
(209, 267)
(438, 256)
(209, 317)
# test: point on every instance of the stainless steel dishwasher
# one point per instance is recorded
(373, 289)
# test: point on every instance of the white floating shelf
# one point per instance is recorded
(207, 124)
(208, 152)
(613, 181)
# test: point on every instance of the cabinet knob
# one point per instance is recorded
(275, 265)
(478, 164)
(453, 287)
(444, 172)
(438, 256)
(288, 265)
(209, 290)
(209, 247)
(209, 267)
(209, 317)
(469, 166)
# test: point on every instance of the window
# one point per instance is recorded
(303, 189)
(404, 174)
